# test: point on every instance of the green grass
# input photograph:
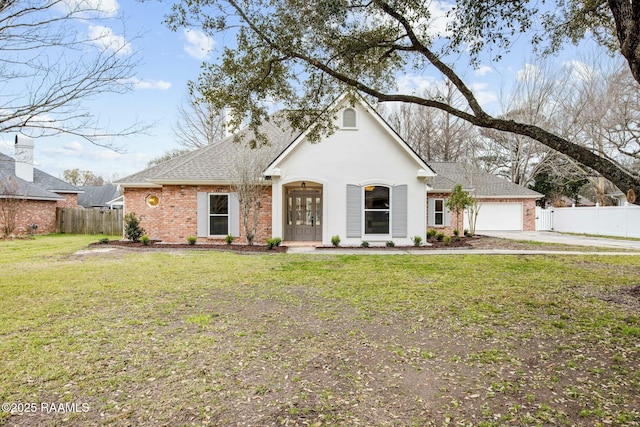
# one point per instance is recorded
(202, 337)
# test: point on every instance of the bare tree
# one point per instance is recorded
(81, 177)
(10, 205)
(48, 67)
(168, 156)
(248, 163)
(199, 123)
(434, 134)
(532, 100)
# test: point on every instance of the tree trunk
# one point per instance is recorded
(626, 14)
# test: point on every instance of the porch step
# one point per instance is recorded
(301, 244)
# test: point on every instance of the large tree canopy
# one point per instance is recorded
(302, 53)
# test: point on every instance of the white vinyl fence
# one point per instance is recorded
(623, 221)
(544, 219)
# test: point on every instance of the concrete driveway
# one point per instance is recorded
(567, 239)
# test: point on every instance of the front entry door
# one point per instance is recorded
(304, 216)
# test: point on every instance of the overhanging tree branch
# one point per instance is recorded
(314, 46)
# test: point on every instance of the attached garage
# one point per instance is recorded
(505, 205)
(499, 217)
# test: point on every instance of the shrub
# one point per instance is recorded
(364, 244)
(145, 240)
(417, 240)
(456, 232)
(229, 239)
(335, 240)
(132, 228)
(439, 236)
(390, 244)
(104, 240)
(273, 242)
(431, 234)
(192, 240)
(447, 240)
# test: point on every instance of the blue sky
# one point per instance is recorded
(168, 60)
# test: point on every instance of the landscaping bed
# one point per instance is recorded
(463, 243)
(157, 244)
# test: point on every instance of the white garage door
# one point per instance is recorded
(498, 216)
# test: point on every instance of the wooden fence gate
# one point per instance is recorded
(89, 221)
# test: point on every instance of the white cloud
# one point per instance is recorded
(198, 44)
(73, 146)
(484, 96)
(580, 70)
(483, 70)
(529, 72)
(88, 8)
(414, 84)
(439, 19)
(104, 38)
(139, 84)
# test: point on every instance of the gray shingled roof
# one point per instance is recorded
(43, 187)
(482, 183)
(97, 196)
(212, 163)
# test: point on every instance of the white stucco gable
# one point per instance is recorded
(369, 124)
(334, 180)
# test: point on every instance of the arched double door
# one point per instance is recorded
(303, 216)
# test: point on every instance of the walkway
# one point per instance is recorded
(566, 239)
(533, 236)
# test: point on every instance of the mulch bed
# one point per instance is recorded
(157, 244)
(463, 243)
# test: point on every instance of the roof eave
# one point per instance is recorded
(65, 191)
(137, 185)
(507, 196)
(162, 182)
(46, 199)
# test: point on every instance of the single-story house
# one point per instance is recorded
(29, 194)
(104, 196)
(361, 183)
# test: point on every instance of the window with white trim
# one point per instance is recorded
(377, 210)
(349, 118)
(218, 214)
(438, 212)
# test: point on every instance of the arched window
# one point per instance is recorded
(349, 118)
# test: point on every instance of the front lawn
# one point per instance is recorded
(213, 338)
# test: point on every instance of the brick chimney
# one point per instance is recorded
(24, 157)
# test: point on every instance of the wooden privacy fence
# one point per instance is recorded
(89, 221)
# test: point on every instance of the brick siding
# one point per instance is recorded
(528, 210)
(40, 212)
(175, 217)
(70, 200)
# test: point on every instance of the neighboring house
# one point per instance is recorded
(619, 198)
(39, 193)
(363, 182)
(100, 197)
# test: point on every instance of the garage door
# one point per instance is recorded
(498, 216)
